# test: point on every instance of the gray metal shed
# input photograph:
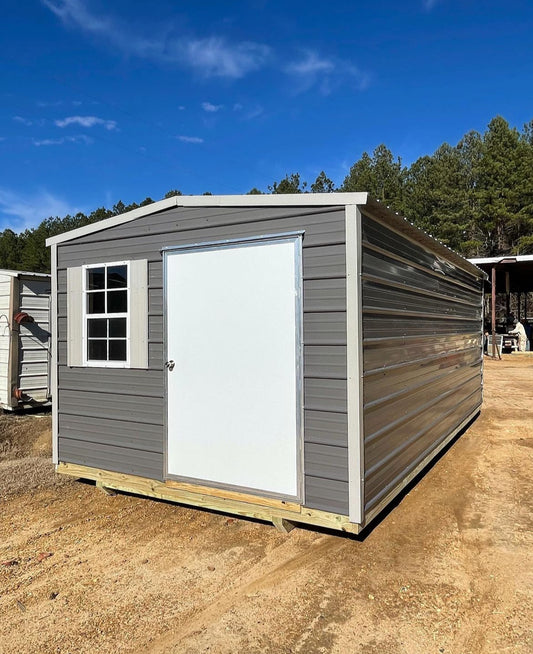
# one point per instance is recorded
(24, 339)
(297, 358)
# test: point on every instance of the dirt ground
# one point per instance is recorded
(448, 569)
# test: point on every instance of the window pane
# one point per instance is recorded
(117, 276)
(97, 328)
(96, 302)
(117, 301)
(117, 350)
(117, 327)
(97, 350)
(96, 279)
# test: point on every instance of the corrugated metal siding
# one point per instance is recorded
(34, 341)
(422, 354)
(115, 407)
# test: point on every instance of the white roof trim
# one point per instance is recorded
(272, 200)
(267, 200)
(113, 221)
(510, 258)
(16, 273)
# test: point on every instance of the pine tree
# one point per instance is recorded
(289, 184)
(322, 184)
(380, 175)
(497, 190)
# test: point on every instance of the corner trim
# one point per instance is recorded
(354, 354)
(53, 371)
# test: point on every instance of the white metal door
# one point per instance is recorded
(233, 328)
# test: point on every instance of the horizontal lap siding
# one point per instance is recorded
(124, 409)
(422, 354)
(5, 339)
(34, 342)
(109, 457)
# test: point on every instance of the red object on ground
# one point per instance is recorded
(19, 394)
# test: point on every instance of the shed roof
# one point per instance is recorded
(508, 258)
(18, 273)
(519, 267)
(360, 199)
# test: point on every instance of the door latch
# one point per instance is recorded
(170, 365)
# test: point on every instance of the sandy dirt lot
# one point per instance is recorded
(448, 569)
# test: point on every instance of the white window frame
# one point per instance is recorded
(85, 339)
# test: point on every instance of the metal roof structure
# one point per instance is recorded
(361, 199)
(517, 272)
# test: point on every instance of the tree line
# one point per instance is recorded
(475, 196)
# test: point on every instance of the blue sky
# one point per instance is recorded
(119, 100)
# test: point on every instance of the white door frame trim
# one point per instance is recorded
(296, 237)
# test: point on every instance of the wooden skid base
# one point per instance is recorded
(276, 511)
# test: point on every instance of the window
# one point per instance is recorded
(106, 314)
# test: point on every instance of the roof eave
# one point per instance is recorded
(280, 200)
(24, 273)
(403, 225)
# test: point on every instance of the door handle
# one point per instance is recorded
(170, 365)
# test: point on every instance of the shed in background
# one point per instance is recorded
(509, 294)
(24, 339)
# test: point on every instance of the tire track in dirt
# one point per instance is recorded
(482, 522)
(261, 579)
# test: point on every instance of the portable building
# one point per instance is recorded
(24, 339)
(297, 358)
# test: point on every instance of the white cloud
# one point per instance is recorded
(42, 142)
(313, 70)
(86, 121)
(211, 108)
(247, 113)
(19, 212)
(45, 103)
(76, 12)
(211, 57)
(23, 121)
(79, 138)
(215, 57)
(310, 64)
(190, 139)
(255, 112)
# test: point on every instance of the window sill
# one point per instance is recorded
(105, 364)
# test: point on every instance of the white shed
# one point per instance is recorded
(24, 339)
